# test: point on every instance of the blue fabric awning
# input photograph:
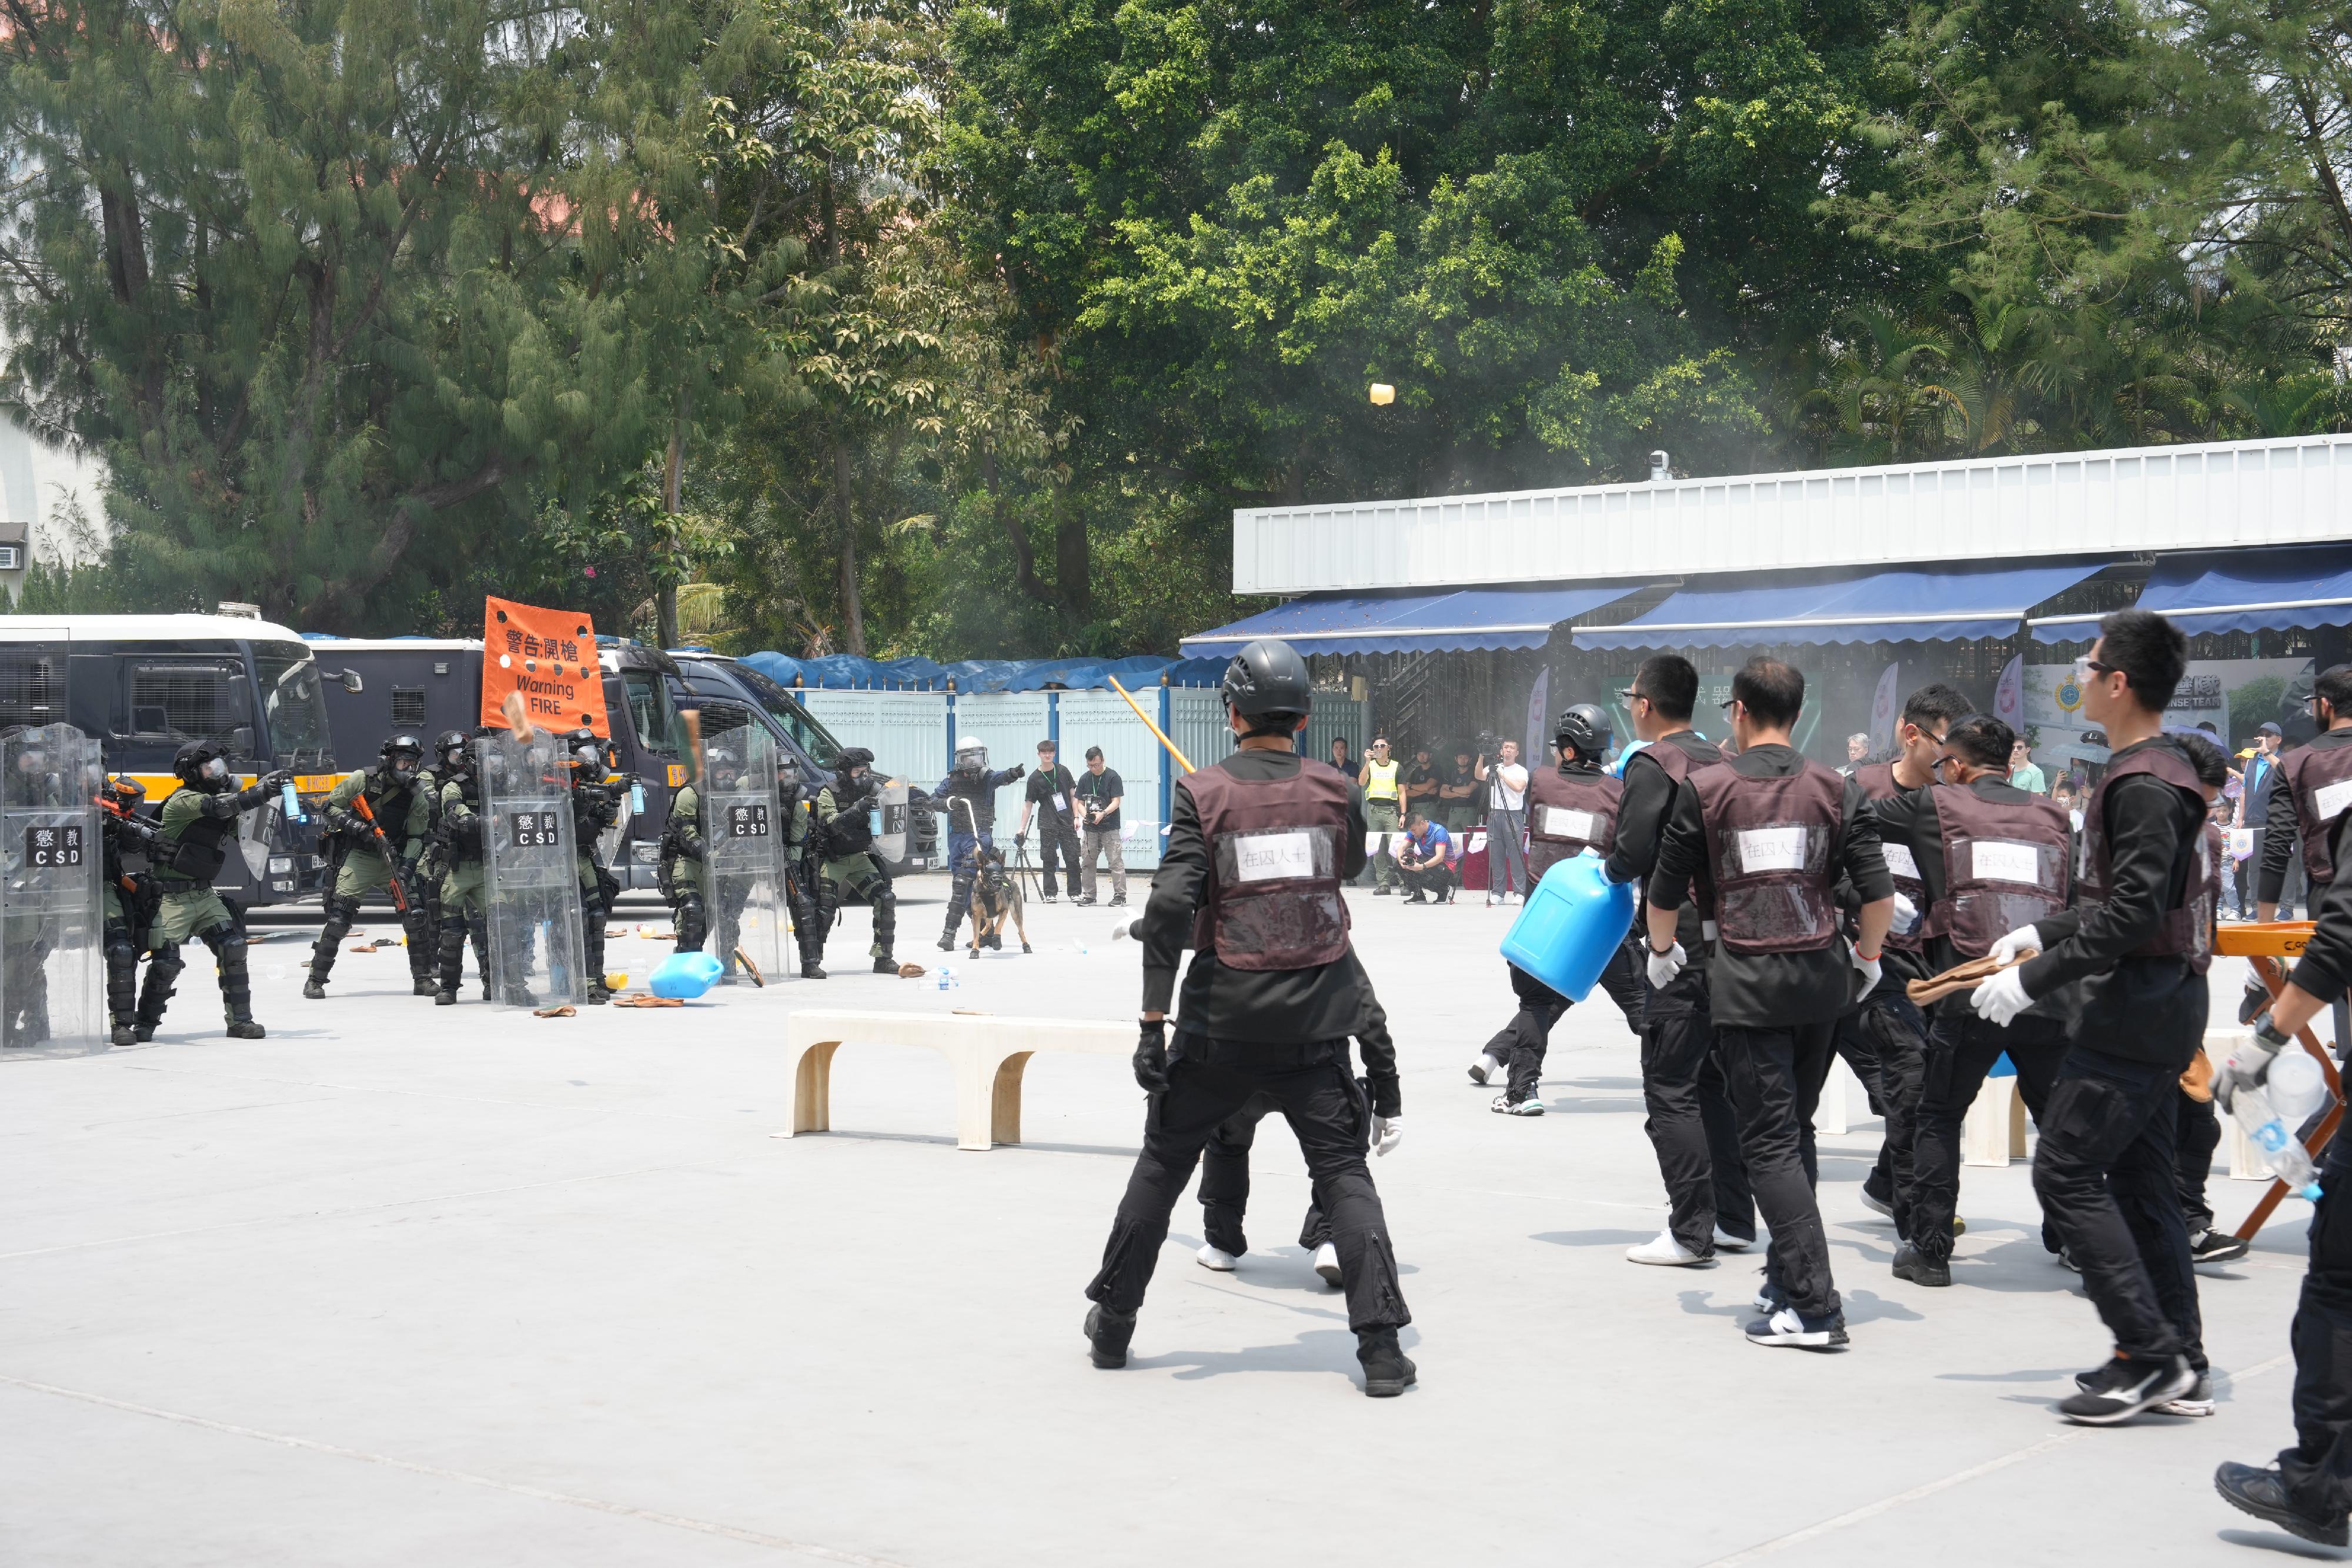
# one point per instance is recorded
(1891, 605)
(1411, 623)
(2235, 591)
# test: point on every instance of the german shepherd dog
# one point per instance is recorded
(995, 896)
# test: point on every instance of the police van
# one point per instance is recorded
(145, 685)
(423, 686)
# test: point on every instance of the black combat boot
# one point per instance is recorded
(1388, 1371)
(1106, 1335)
(162, 971)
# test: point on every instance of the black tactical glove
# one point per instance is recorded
(1018, 769)
(1151, 1056)
(691, 849)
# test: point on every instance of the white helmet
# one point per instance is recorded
(971, 752)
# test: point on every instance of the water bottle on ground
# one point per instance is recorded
(947, 978)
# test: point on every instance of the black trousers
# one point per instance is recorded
(1433, 879)
(1691, 1122)
(2199, 1133)
(1312, 1085)
(1520, 1044)
(2318, 1469)
(1888, 1033)
(2107, 1174)
(1225, 1182)
(1962, 1050)
(1057, 841)
(1776, 1077)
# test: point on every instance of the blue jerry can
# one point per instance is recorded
(1570, 925)
(686, 975)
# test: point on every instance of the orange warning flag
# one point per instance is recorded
(546, 657)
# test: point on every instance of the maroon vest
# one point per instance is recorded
(2320, 780)
(2004, 866)
(1771, 847)
(1878, 782)
(1275, 845)
(2188, 930)
(1566, 814)
(1679, 766)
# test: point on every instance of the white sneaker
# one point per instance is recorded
(1486, 1070)
(1726, 1242)
(1215, 1257)
(1666, 1253)
(1326, 1263)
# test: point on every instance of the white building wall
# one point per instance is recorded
(53, 493)
(2290, 491)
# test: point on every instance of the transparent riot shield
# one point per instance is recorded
(530, 872)
(741, 825)
(889, 814)
(52, 925)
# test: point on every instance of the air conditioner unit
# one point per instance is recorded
(12, 557)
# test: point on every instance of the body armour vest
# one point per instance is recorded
(2187, 932)
(852, 831)
(1770, 843)
(2004, 866)
(971, 785)
(1568, 813)
(199, 854)
(1275, 846)
(1680, 755)
(2321, 779)
(1878, 782)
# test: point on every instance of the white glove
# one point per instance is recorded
(1870, 969)
(1664, 967)
(2022, 940)
(1907, 915)
(2248, 1065)
(2000, 998)
(1388, 1131)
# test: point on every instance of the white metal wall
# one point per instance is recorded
(2148, 499)
(1102, 719)
(907, 731)
(1010, 724)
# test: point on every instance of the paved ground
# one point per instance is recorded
(403, 1285)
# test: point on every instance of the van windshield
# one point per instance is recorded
(814, 739)
(650, 709)
(292, 704)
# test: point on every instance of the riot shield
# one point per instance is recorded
(889, 813)
(530, 872)
(52, 925)
(741, 825)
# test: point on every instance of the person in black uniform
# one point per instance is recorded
(1257, 850)
(2314, 786)
(129, 898)
(1774, 834)
(1691, 1123)
(1571, 807)
(1883, 1037)
(1048, 798)
(2308, 1491)
(2128, 975)
(1970, 899)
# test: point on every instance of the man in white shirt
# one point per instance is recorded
(1506, 822)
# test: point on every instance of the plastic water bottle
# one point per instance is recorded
(2289, 1160)
(637, 799)
(2297, 1085)
(290, 802)
(1079, 946)
(947, 977)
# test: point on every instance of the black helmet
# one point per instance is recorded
(128, 792)
(407, 746)
(719, 758)
(450, 740)
(1582, 731)
(583, 749)
(193, 764)
(1268, 682)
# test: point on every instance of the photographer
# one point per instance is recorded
(1426, 862)
(1506, 818)
(1099, 792)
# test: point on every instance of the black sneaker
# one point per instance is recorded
(2263, 1494)
(2217, 1247)
(1084, 902)
(1118, 903)
(1875, 1204)
(2123, 1388)
(1915, 1266)
(1416, 897)
(1388, 1371)
(1791, 1327)
(1106, 1335)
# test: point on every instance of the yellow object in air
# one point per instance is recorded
(1383, 394)
(615, 980)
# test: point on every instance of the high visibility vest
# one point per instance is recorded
(1383, 785)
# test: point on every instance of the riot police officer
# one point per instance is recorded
(684, 838)
(1257, 851)
(798, 811)
(841, 842)
(968, 795)
(128, 899)
(457, 846)
(1570, 808)
(198, 817)
(596, 791)
(375, 849)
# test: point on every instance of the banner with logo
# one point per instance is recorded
(547, 655)
(2060, 733)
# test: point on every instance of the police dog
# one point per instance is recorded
(996, 897)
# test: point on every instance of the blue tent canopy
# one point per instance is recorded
(1459, 619)
(1891, 605)
(2235, 591)
(840, 671)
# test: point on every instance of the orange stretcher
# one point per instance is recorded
(2267, 946)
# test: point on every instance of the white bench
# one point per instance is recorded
(989, 1055)
(1992, 1134)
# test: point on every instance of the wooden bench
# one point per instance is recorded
(989, 1055)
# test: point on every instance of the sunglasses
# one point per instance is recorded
(2086, 666)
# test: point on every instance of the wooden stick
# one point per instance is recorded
(1182, 760)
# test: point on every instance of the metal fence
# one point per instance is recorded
(907, 731)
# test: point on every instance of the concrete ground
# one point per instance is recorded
(406, 1285)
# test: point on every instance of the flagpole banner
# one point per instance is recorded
(1539, 730)
(549, 657)
(2009, 695)
(1885, 710)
